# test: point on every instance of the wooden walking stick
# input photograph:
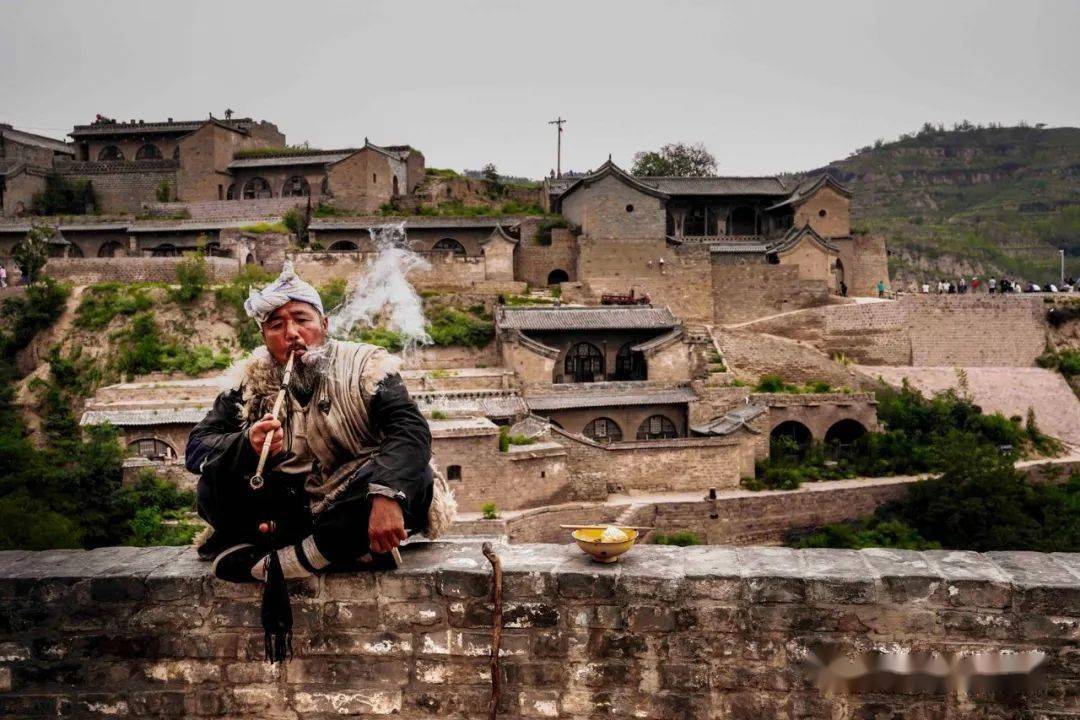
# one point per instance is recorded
(496, 629)
(257, 481)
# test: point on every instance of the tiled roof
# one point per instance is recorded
(178, 126)
(419, 221)
(131, 418)
(659, 341)
(717, 185)
(729, 423)
(792, 237)
(737, 248)
(585, 318)
(490, 403)
(74, 227)
(25, 138)
(609, 398)
(188, 225)
(315, 158)
(809, 187)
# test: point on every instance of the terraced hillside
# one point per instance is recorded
(971, 201)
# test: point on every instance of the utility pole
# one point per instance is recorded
(558, 145)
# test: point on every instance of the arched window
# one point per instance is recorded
(453, 472)
(344, 246)
(743, 221)
(584, 363)
(257, 187)
(74, 251)
(148, 151)
(841, 437)
(324, 187)
(165, 250)
(790, 438)
(110, 249)
(110, 153)
(152, 449)
(449, 245)
(395, 185)
(629, 364)
(557, 276)
(657, 427)
(176, 153)
(296, 186)
(603, 430)
(230, 194)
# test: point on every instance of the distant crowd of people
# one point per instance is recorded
(990, 285)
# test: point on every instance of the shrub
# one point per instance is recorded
(143, 349)
(449, 326)
(682, 538)
(506, 439)
(439, 415)
(163, 193)
(543, 233)
(297, 223)
(332, 293)
(262, 228)
(32, 252)
(868, 532)
(489, 511)
(27, 316)
(102, 302)
(392, 341)
(193, 276)
(63, 197)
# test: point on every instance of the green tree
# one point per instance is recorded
(495, 184)
(32, 252)
(675, 160)
(63, 197)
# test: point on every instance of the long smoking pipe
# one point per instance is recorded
(257, 481)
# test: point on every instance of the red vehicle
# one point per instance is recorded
(613, 299)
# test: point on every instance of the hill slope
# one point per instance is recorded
(978, 200)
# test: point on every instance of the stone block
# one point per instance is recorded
(772, 575)
(375, 701)
(969, 579)
(838, 577)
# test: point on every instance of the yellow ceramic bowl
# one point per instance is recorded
(605, 552)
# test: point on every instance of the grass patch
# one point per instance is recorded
(102, 302)
(287, 150)
(262, 228)
(28, 315)
(776, 384)
(681, 538)
(143, 348)
(450, 326)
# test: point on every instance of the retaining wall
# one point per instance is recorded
(85, 271)
(665, 633)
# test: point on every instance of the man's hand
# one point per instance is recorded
(258, 432)
(386, 525)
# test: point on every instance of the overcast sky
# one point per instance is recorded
(768, 87)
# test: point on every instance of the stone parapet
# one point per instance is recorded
(708, 631)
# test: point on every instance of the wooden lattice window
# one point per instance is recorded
(657, 427)
(603, 430)
(148, 151)
(110, 153)
(296, 186)
(257, 187)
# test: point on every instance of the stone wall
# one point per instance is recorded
(667, 632)
(85, 271)
(745, 292)
(826, 211)
(447, 272)
(533, 263)
(680, 465)
(123, 185)
(926, 330)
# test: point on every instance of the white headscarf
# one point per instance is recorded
(288, 286)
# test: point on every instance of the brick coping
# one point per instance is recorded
(127, 573)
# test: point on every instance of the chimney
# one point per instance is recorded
(170, 119)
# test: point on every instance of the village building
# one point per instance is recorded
(25, 161)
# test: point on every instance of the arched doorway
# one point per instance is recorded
(344, 246)
(743, 221)
(165, 250)
(148, 151)
(584, 363)
(151, 449)
(838, 272)
(295, 186)
(790, 438)
(449, 245)
(110, 153)
(603, 430)
(557, 276)
(110, 249)
(629, 364)
(74, 251)
(841, 437)
(257, 187)
(657, 427)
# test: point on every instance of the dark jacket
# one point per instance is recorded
(219, 452)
